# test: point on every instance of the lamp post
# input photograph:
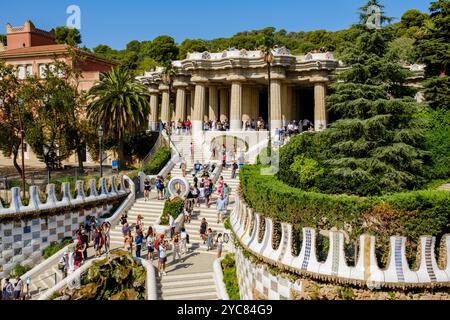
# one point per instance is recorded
(46, 160)
(100, 139)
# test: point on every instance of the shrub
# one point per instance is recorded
(227, 224)
(230, 277)
(20, 270)
(173, 207)
(411, 214)
(54, 247)
(157, 162)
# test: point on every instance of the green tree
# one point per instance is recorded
(377, 144)
(65, 35)
(411, 23)
(162, 48)
(434, 50)
(192, 45)
(120, 105)
(14, 109)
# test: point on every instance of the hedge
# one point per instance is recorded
(411, 214)
(173, 207)
(157, 161)
(230, 277)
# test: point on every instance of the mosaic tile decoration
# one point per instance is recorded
(398, 259)
(307, 240)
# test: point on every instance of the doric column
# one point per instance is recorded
(224, 108)
(246, 103)
(153, 120)
(199, 107)
(188, 107)
(236, 106)
(180, 108)
(320, 112)
(213, 104)
(286, 107)
(254, 114)
(192, 102)
(165, 104)
(275, 105)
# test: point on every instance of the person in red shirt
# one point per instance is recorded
(188, 125)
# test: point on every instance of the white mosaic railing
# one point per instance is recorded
(22, 241)
(366, 270)
(51, 202)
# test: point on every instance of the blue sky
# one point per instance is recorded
(115, 23)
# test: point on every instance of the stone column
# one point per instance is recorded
(320, 112)
(180, 109)
(255, 104)
(224, 108)
(284, 105)
(188, 107)
(153, 121)
(165, 105)
(236, 106)
(286, 108)
(213, 104)
(192, 102)
(199, 108)
(275, 105)
(246, 103)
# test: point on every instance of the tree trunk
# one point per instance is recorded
(16, 165)
(80, 160)
(120, 154)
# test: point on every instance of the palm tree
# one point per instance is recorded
(120, 105)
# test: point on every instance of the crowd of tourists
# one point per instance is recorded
(138, 237)
(184, 126)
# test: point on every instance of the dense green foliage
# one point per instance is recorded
(173, 207)
(54, 247)
(66, 35)
(157, 161)
(411, 214)
(433, 49)
(20, 270)
(377, 144)
(230, 276)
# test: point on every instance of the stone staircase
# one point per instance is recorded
(183, 144)
(150, 210)
(192, 276)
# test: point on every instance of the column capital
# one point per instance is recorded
(163, 87)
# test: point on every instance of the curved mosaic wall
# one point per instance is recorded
(25, 230)
(366, 271)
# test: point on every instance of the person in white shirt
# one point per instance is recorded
(172, 225)
(184, 240)
(162, 258)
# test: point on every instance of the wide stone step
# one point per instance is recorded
(192, 296)
(182, 290)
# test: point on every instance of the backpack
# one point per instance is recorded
(138, 240)
(159, 184)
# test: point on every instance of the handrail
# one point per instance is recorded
(153, 150)
(46, 264)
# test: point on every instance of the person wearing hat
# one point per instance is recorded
(63, 264)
